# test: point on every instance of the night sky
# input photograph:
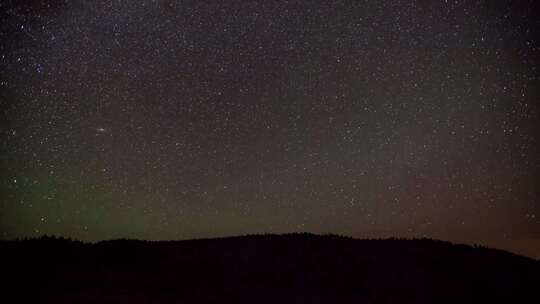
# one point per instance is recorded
(189, 119)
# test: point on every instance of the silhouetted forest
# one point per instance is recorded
(293, 268)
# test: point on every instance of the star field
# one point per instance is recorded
(186, 119)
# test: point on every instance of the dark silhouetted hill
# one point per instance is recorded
(294, 268)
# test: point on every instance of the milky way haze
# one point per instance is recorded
(189, 119)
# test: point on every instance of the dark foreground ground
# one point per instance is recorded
(297, 268)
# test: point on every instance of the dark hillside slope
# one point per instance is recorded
(295, 268)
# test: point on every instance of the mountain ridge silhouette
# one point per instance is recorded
(265, 268)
